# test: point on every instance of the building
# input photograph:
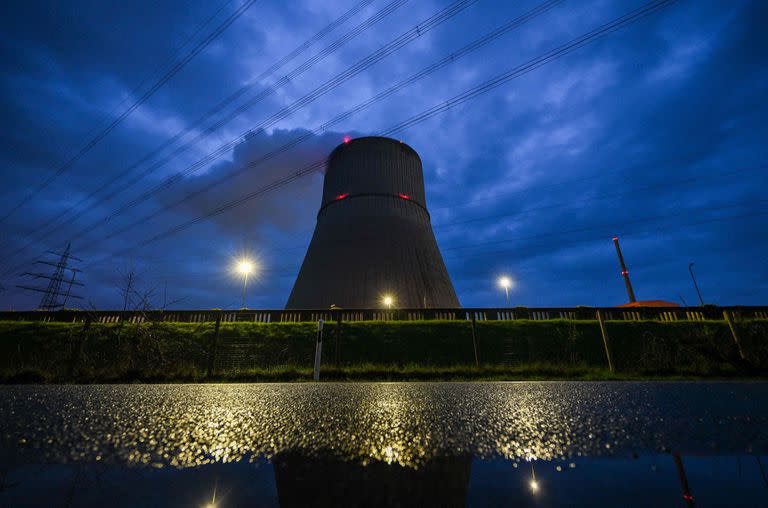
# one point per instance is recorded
(373, 244)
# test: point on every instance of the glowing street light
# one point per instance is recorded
(213, 504)
(533, 484)
(245, 267)
(505, 283)
(388, 301)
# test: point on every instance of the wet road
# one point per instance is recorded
(395, 423)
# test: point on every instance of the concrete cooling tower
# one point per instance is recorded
(373, 236)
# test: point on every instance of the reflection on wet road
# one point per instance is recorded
(382, 443)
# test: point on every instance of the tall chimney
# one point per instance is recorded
(624, 271)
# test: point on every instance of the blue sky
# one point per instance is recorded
(655, 133)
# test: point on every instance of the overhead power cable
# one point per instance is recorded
(141, 100)
(453, 57)
(386, 50)
(410, 35)
(126, 179)
(474, 92)
(439, 18)
(516, 72)
(166, 63)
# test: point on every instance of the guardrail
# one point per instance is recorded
(707, 312)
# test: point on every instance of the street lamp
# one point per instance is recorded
(245, 267)
(388, 301)
(505, 282)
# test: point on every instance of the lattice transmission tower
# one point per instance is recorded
(59, 288)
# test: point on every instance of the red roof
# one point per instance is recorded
(650, 303)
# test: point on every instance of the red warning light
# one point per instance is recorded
(625, 272)
(688, 497)
(404, 196)
(342, 196)
(346, 139)
(615, 238)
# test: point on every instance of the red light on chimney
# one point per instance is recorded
(346, 139)
(625, 272)
(342, 196)
(688, 497)
(404, 196)
(615, 238)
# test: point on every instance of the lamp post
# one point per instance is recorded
(505, 283)
(388, 301)
(245, 268)
(693, 277)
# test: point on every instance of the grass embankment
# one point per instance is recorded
(375, 372)
(438, 350)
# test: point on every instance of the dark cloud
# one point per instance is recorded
(655, 133)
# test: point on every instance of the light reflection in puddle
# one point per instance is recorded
(381, 444)
(296, 480)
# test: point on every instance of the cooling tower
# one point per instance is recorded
(373, 235)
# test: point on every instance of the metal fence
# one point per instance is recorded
(667, 314)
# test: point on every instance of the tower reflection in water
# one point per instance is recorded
(294, 479)
(316, 481)
(385, 444)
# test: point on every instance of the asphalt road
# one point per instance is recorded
(398, 423)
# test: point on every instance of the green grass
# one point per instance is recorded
(425, 350)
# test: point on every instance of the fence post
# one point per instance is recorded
(318, 349)
(77, 352)
(338, 334)
(604, 333)
(732, 326)
(474, 339)
(214, 345)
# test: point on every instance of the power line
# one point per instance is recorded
(555, 54)
(126, 174)
(451, 58)
(459, 99)
(156, 86)
(400, 41)
(407, 37)
(474, 92)
(168, 61)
